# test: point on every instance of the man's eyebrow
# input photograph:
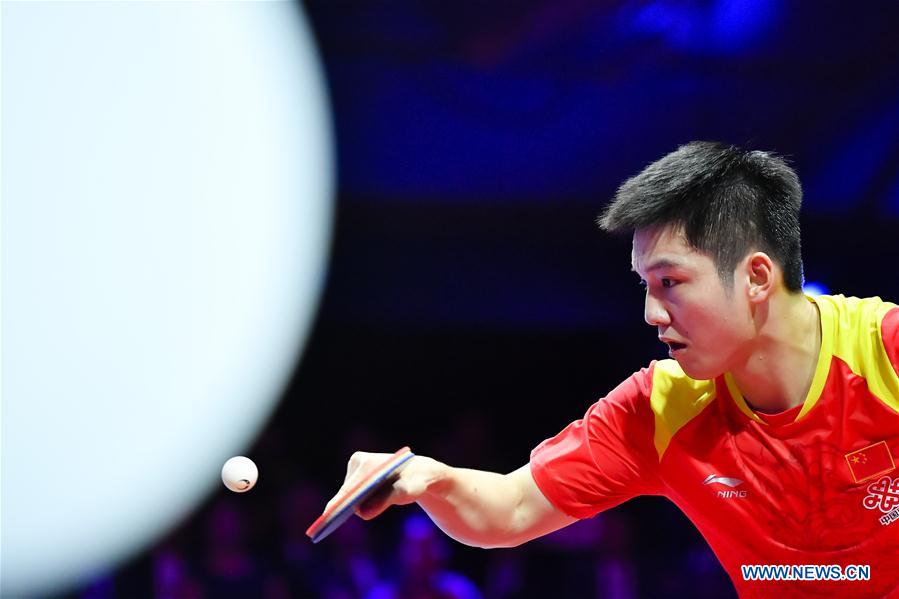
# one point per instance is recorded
(661, 263)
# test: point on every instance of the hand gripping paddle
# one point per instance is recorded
(345, 504)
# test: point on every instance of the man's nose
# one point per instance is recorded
(654, 312)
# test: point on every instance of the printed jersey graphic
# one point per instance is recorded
(810, 485)
(730, 482)
(883, 495)
(870, 461)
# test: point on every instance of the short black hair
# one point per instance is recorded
(729, 201)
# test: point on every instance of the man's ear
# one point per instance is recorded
(760, 270)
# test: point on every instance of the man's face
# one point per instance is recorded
(707, 329)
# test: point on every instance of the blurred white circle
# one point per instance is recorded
(167, 183)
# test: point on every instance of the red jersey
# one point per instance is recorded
(816, 485)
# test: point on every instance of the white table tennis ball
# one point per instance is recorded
(239, 474)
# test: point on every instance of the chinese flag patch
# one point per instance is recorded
(870, 461)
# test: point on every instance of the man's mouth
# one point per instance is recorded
(674, 347)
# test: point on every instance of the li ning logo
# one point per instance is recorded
(732, 492)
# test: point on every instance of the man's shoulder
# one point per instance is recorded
(853, 327)
(864, 334)
(854, 312)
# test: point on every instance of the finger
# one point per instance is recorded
(346, 485)
(333, 500)
(374, 507)
(340, 492)
(380, 500)
(353, 464)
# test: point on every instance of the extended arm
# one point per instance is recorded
(482, 509)
(486, 509)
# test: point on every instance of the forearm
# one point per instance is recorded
(474, 507)
(478, 508)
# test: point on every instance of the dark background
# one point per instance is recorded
(472, 307)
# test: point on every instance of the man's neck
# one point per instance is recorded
(778, 373)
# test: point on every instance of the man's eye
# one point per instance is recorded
(667, 283)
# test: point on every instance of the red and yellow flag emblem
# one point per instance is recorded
(870, 461)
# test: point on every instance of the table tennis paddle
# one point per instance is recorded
(345, 504)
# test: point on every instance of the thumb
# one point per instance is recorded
(377, 504)
(402, 491)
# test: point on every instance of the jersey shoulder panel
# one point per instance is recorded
(675, 400)
(889, 334)
(853, 328)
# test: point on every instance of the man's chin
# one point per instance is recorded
(698, 372)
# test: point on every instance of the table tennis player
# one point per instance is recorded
(774, 425)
